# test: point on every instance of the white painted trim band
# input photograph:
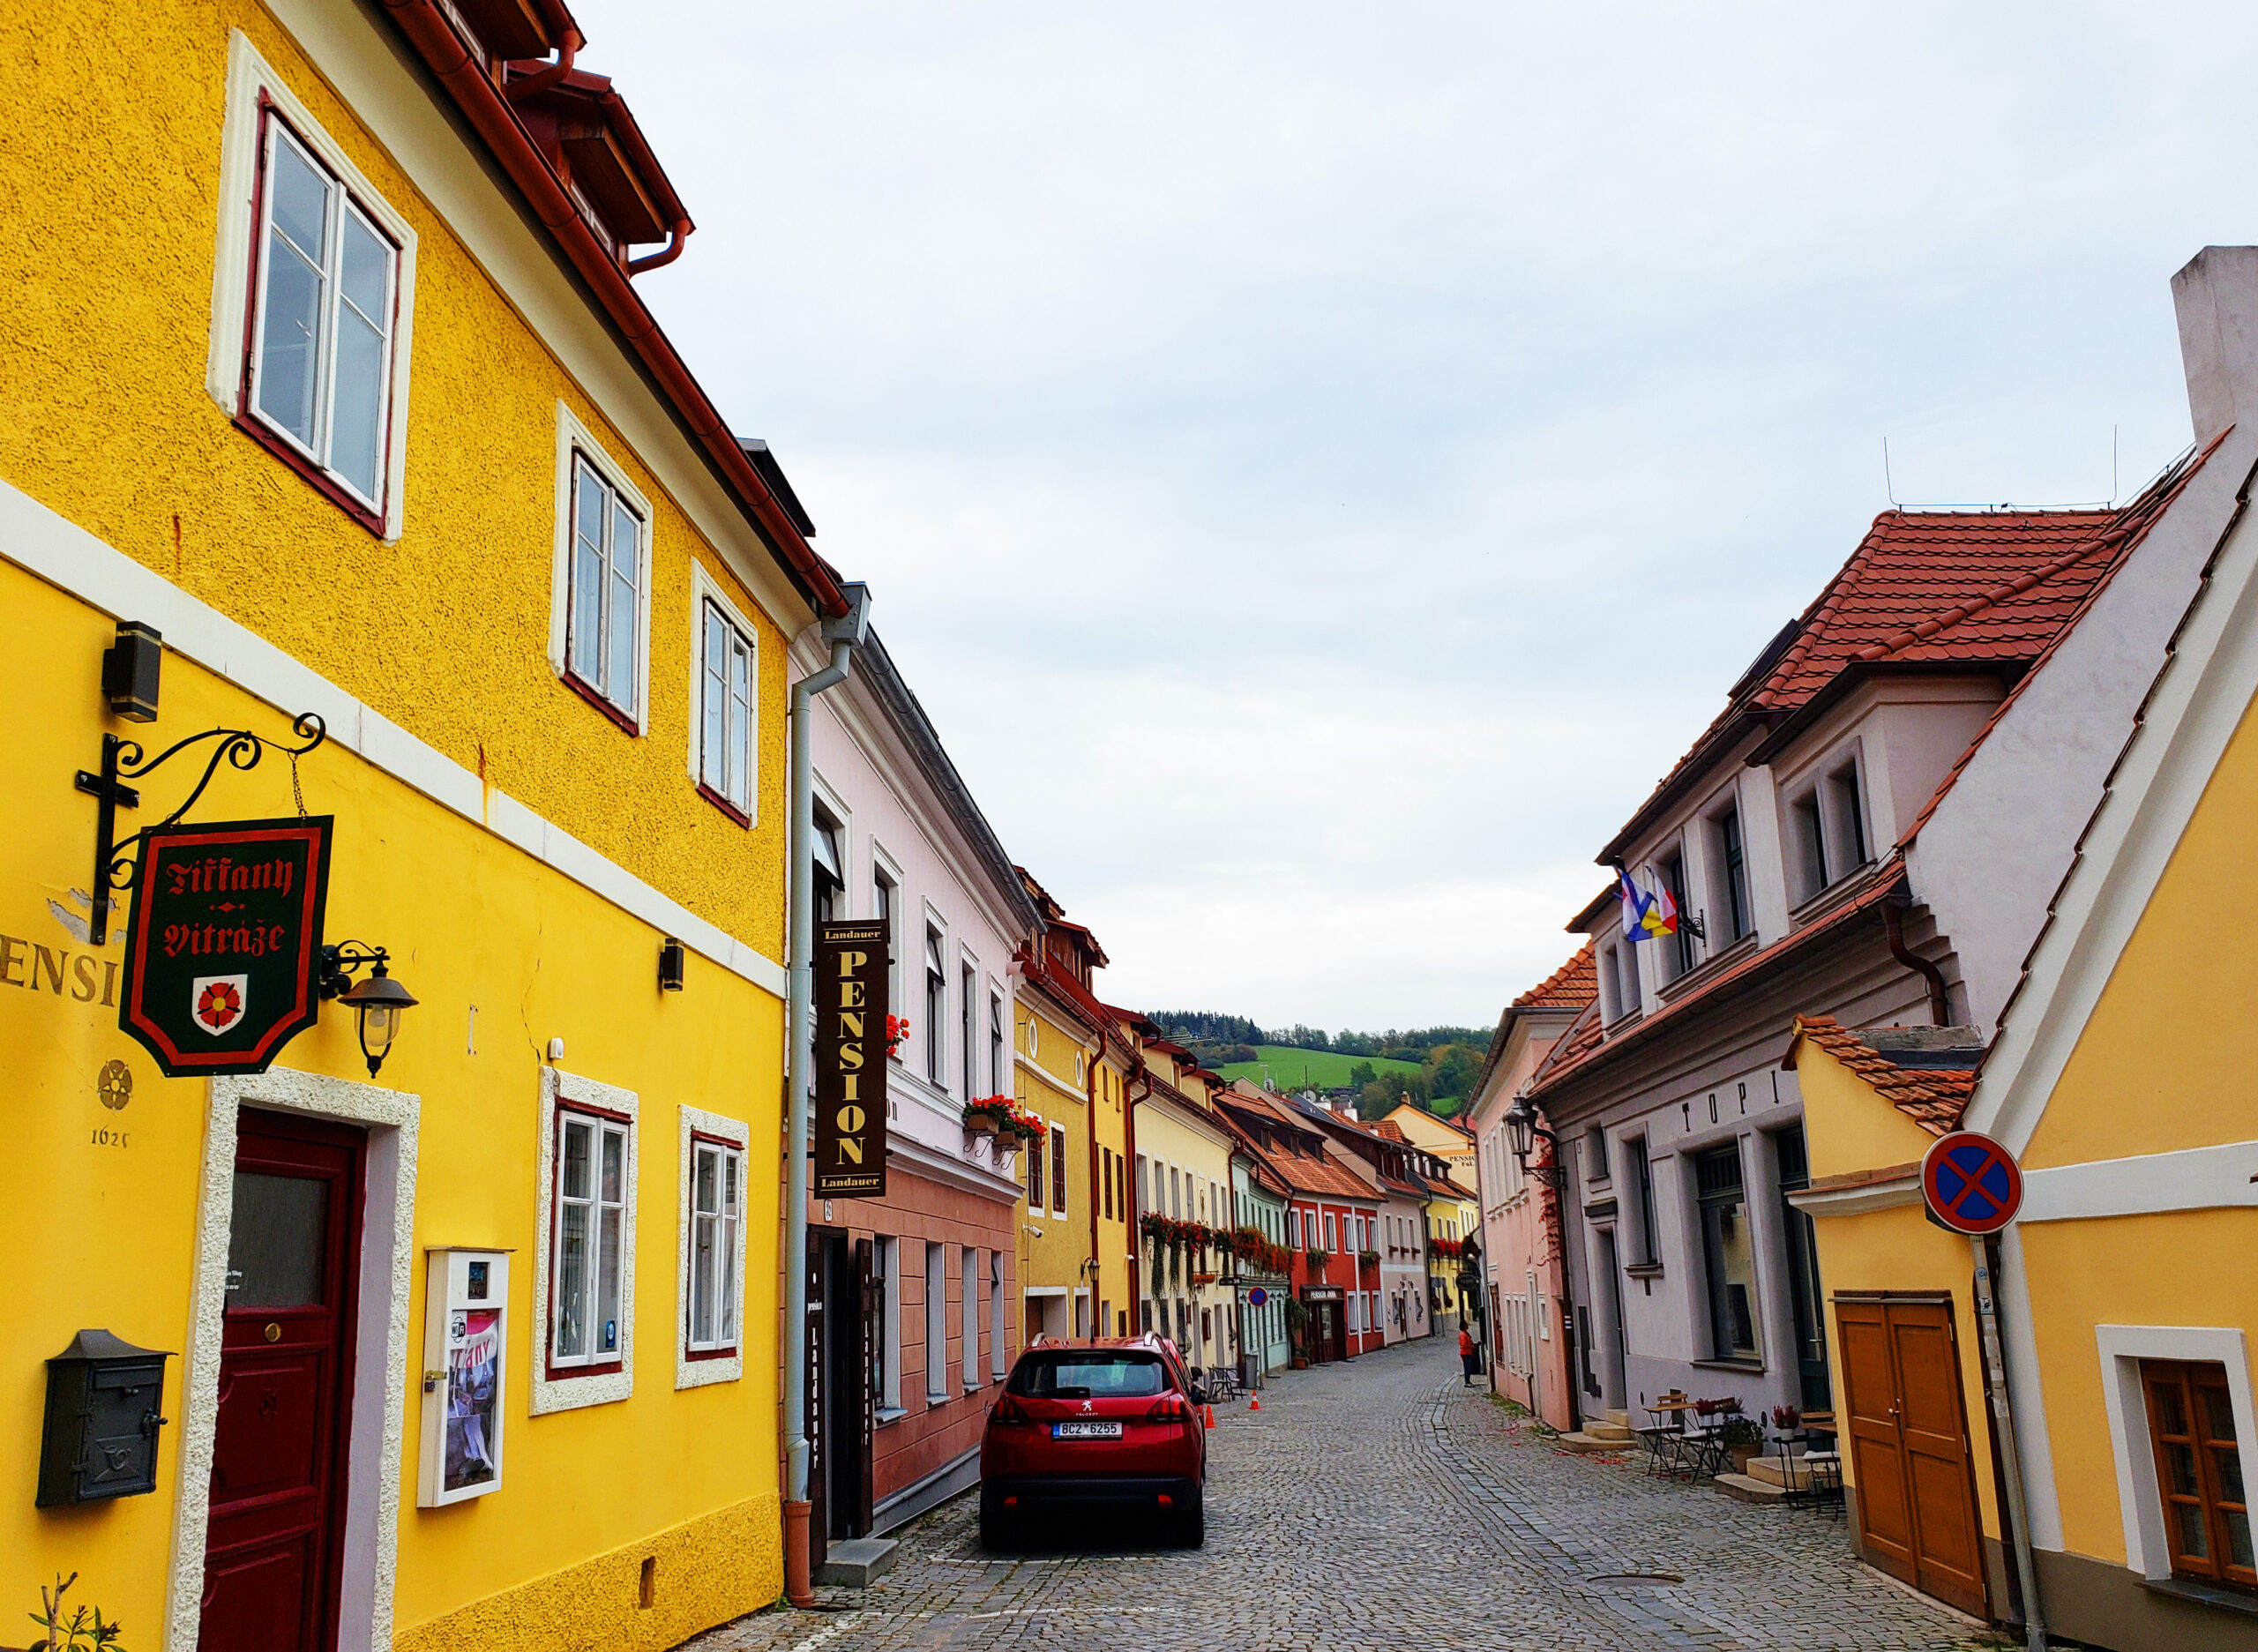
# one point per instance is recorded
(57, 550)
(2223, 1177)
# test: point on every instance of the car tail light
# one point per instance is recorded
(1170, 1407)
(1009, 1413)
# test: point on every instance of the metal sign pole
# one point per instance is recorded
(1995, 1384)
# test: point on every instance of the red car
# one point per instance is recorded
(1105, 1424)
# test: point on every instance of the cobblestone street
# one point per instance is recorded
(1380, 1505)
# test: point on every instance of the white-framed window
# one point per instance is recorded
(716, 1218)
(313, 298)
(967, 1006)
(997, 1368)
(1057, 1169)
(709, 1306)
(584, 1269)
(885, 910)
(1294, 1229)
(936, 1324)
(968, 1311)
(995, 1042)
(321, 353)
(1329, 1232)
(602, 650)
(885, 1268)
(600, 601)
(591, 1226)
(937, 1010)
(726, 669)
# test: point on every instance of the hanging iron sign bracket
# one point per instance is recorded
(116, 865)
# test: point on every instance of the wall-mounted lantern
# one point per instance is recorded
(103, 1399)
(132, 667)
(377, 1003)
(672, 959)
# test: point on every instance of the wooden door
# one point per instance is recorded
(272, 1549)
(1905, 1431)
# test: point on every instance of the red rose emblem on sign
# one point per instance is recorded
(219, 1001)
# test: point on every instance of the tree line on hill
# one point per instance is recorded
(1203, 1031)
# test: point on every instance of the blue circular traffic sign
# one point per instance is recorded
(1970, 1183)
(1257, 1298)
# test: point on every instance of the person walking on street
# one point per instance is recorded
(1470, 1355)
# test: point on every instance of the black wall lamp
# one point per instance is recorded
(131, 668)
(671, 961)
(1523, 1132)
(377, 1002)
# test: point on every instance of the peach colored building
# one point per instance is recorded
(1537, 1351)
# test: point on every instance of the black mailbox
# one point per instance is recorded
(103, 1397)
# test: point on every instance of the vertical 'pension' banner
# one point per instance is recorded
(850, 1059)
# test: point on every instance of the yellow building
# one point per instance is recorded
(1453, 1215)
(1058, 1073)
(1184, 1151)
(540, 605)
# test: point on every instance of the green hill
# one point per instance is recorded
(1291, 1069)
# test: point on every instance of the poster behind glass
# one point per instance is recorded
(473, 1360)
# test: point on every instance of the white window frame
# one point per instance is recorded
(718, 1361)
(706, 591)
(933, 967)
(2122, 1348)
(250, 79)
(568, 1391)
(576, 445)
(969, 1313)
(887, 871)
(1055, 1170)
(1330, 1232)
(886, 1264)
(937, 1323)
(998, 1369)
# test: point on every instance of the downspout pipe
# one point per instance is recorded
(845, 634)
(1893, 925)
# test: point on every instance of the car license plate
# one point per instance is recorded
(1086, 1431)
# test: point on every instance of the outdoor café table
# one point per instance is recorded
(1667, 1440)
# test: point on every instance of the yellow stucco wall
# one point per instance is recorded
(2176, 988)
(112, 128)
(1848, 1127)
(110, 1230)
(2177, 1267)
(1044, 1081)
(1111, 1123)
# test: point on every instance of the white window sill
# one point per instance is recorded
(937, 1398)
(889, 1414)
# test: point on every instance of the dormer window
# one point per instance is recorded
(1843, 793)
(1809, 830)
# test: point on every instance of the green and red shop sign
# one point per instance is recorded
(223, 954)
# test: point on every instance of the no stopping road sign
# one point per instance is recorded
(1970, 1183)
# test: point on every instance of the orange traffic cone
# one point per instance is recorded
(1207, 1416)
(1254, 1402)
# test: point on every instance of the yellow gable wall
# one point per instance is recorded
(586, 1494)
(2163, 1062)
(1046, 1084)
(1110, 1124)
(112, 132)
(1848, 1127)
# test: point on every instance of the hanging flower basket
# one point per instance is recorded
(1203, 1279)
(897, 1029)
(990, 1116)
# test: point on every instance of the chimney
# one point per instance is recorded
(2217, 297)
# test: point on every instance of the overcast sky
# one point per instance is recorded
(1319, 464)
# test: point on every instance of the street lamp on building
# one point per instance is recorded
(1523, 1132)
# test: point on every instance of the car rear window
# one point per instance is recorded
(1084, 1373)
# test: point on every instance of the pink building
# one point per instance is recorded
(1538, 1353)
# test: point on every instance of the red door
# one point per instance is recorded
(286, 1374)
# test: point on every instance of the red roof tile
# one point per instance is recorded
(1944, 588)
(1931, 1097)
(1573, 985)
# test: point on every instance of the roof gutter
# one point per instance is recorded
(490, 115)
